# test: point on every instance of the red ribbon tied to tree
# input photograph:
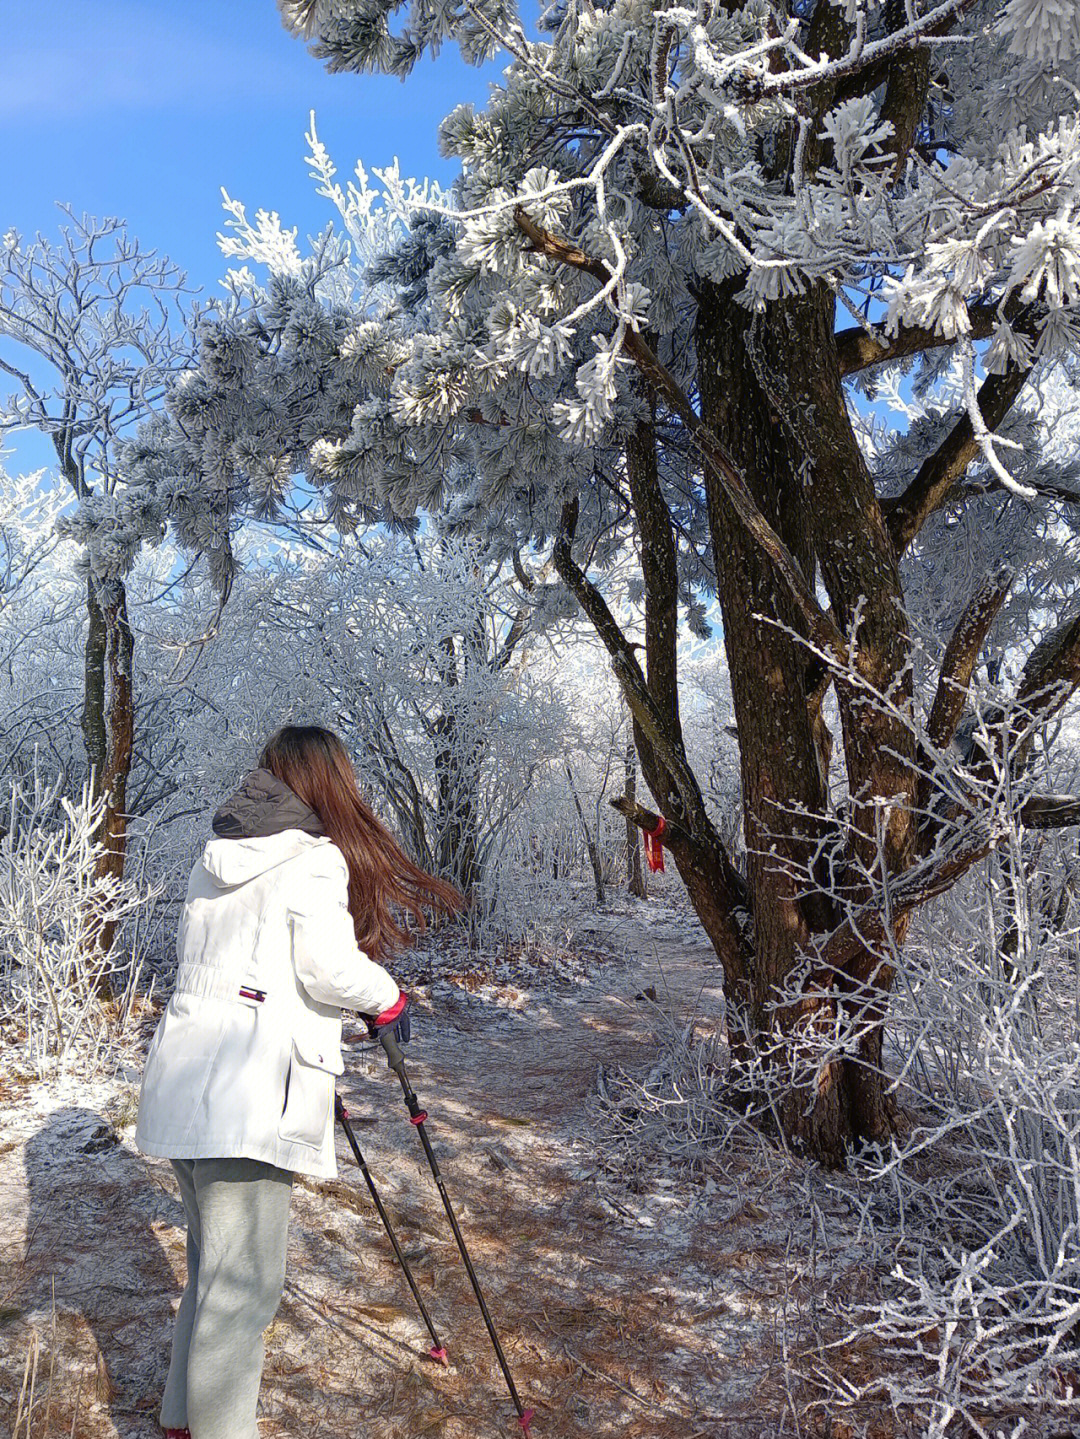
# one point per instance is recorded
(654, 850)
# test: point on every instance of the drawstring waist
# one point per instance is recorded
(204, 981)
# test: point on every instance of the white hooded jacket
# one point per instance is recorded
(244, 1058)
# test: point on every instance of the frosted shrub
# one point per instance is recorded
(972, 1219)
(978, 1207)
(63, 998)
(678, 1112)
(968, 1207)
(972, 1209)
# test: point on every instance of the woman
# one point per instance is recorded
(288, 911)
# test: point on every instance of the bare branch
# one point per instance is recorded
(961, 655)
(941, 471)
(858, 349)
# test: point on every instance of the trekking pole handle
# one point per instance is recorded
(394, 1057)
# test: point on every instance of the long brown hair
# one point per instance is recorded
(389, 895)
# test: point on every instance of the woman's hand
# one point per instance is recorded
(395, 1019)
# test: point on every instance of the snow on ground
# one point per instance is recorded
(659, 1310)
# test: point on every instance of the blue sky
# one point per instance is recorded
(145, 108)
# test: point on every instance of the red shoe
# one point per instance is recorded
(177, 1434)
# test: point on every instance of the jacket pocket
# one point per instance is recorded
(309, 1094)
(320, 1046)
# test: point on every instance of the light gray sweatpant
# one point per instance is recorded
(238, 1223)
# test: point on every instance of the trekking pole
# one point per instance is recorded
(396, 1061)
(341, 1114)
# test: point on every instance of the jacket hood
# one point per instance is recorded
(263, 805)
(263, 824)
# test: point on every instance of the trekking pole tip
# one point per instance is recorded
(438, 1353)
(525, 1420)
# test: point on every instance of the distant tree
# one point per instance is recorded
(39, 603)
(89, 333)
(417, 653)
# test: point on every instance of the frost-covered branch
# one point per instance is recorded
(961, 656)
(945, 468)
(656, 374)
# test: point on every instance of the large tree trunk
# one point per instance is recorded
(119, 664)
(771, 674)
(108, 724)
(771, 393)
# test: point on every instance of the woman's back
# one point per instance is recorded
(301, 878)
(243, 1061)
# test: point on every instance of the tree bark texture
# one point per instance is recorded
(109, 726)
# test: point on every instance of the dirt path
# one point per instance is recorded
(620, 1315)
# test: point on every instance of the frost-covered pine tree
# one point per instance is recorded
(681, 238)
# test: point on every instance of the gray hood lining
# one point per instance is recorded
(262, 805)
